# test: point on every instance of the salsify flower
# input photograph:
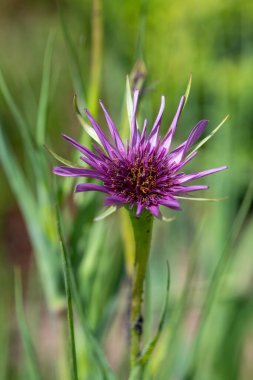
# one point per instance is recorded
(144, 172)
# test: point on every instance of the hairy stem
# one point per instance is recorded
(142, 228)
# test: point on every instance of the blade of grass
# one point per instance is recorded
(178, 314)
(30, 354)
(94, 346)
(220, 270)
(202, 142)
(141, 29)
(109, 211)
(67, 280)
(20, 122)
(62, 160)
(44, 92)
(14, 173)
(6, 309)
(86, 127)
(203, 199)
(129, 100)
(188, 89)
(75, 68)
(44, 250)
(96, 55)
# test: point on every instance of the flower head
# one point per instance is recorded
(143, 173)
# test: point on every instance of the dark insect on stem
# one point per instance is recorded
(138, 325)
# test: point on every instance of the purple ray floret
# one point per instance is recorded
(142, 173)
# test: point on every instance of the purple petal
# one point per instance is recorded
(155, 211)
(177, 154)
(102, 137)
(92, 156)
(154, 132)
(183, 163)
(78, 146)
(114, 200)
(195, 134)
(114, 132)
(144, 129)
(186, 189)
(90, 187)
(67, 171)
(139, 210)
(134, 131)
(169, 136)
(95, 164)
(101, 153)
(170, 202)
(191, 177)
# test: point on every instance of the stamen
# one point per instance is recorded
(140, 177)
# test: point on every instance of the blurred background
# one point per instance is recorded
(50, 52)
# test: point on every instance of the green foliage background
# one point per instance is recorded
(209, 246)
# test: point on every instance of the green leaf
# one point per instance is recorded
(20, 121)
(75, 67)
(86, 127)
(109, 211)
(188, 89)
(202, 142)
(44, 250)
(93, 344)
(203, 199)
(129, 102)
(44, 93)
(168, 220)
(61, 159)
(96, 55)
(220, 271)
(14, 173)
(67, 280)
(29, 351)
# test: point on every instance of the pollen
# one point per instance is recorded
(137, 178)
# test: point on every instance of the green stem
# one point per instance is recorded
(142, 228)
(67, 280)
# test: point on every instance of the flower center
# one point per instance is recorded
(139, 178)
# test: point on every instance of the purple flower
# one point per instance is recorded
(143, 173)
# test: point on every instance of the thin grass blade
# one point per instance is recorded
(62, 160)
(86, 127)
(67, 280)
(188, 89)
(221, 268)
(44, 92)
(202, 142)
(44, 250)
(29, 350)
(202, 199)
(96, 55)
(75, 68)
(109, 211)
(20, 121)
